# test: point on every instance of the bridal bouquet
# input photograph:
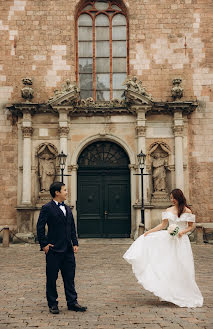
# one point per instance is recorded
(173, 229)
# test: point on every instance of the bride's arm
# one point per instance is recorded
(158, 227)
(188, 229)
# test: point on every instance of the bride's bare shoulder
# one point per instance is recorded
(187, 210)
(170, 209)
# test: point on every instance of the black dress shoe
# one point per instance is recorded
(77, 308)
(54, 309)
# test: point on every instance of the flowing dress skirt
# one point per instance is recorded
(164, 265)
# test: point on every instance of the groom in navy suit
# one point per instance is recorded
(59, 245)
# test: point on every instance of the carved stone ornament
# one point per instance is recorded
(177, 90)
(141, 131)
(159, 158)
(46, 154)
(178, 131)
(135, 93)
(63, 131)
(27, 92)
(68, 95)
(27, 131)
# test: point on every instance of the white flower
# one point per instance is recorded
(173, 229)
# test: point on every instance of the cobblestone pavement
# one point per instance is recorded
(105, 284)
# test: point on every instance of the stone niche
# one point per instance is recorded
(46, 158)
(160, 173)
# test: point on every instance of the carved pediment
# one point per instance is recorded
(68, 95)
(135, 93)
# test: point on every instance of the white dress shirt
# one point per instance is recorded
(61, 207)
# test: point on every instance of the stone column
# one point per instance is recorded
(141, 144)
(27, 131)
(63, 133)
(178, 133)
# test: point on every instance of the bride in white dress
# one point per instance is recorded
(162, 263)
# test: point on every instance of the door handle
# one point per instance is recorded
(105, 214)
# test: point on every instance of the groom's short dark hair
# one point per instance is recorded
(56, 186)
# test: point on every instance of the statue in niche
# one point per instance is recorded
(159, 167)
(46, 166)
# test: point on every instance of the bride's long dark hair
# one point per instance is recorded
(179, 196)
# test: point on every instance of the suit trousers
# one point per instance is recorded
(65, 262)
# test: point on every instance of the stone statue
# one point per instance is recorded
(177, 90)
(159, 166)
(46, 166)
(27, 92)
(46, 172)
(134, 85)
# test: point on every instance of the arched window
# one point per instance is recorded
(102, 49)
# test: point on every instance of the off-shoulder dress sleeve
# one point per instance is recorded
(185, 217)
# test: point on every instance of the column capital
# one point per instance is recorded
(63, 131)
(27, 131)
(132, 167)
(74, 167)
(141, 131)
(178, 131)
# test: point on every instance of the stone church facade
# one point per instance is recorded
(101, 81)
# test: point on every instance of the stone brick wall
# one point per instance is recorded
(167, 39)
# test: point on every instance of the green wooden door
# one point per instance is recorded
(103, 205)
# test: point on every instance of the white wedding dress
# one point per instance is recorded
(164, 265)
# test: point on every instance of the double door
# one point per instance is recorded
(103, 204)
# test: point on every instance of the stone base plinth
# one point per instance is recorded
(23, 237)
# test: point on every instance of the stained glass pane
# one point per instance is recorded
(119, 33)
(88, 7)
(102, 33)
(85, 20)
(86, 81)
(103, 154)
(101, 5)
(102, 81)
(119, 65)
(101, 20)
(85, 65)
(118, 80)
(84, 33)
(119, 48)
(102, 65)
(117, 94)
(115, 7)
(102, 48)
(85, 49)
(119, 19)
(102, 95)
(86, 93)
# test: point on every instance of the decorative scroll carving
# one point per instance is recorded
(27, 131)
(63, 131)
(141, 131)
(178, 131)
(27, 92)
(135, 93)
(68, 95)
(46, 154)
(177, 90)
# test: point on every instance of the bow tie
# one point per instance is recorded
(61, 203)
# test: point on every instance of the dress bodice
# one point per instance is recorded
(180, 221)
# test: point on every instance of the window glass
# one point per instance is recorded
(119, 48)
(102, 50)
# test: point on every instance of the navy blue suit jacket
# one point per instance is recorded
(61, 228)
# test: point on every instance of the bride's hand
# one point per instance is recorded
(180, 234)
(146, 233)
